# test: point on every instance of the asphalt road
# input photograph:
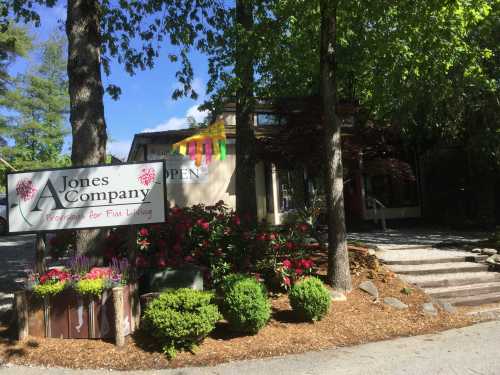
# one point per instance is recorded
(472, 350)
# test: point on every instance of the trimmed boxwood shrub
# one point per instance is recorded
(245, 304)
(181, 319)
(310, 299)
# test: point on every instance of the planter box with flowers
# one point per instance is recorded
(79, 301)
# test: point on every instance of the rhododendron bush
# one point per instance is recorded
(216, 239)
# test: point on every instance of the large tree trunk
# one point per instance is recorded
(86, 98)
(339, 275)
(246, 200)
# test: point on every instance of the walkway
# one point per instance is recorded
(470, 350)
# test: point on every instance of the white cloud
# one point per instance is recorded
(176, 123)
(119, 149)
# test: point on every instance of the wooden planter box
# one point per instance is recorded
(71, 316)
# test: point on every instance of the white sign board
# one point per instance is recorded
(87, 197)
(179, 169)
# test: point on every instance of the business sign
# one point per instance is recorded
(87, 197)
(179, 169)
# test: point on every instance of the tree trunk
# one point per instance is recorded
(86, 98)
(246, 200)
(339, 275)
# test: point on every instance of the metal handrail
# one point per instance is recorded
(374, 202)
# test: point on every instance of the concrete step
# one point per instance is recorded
(491, 312)
(411, 262)
(463, 290)
(438, 268)
(451, 279)
(479, 299)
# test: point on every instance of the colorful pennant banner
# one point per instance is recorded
(210, 142)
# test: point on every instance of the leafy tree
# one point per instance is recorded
(39, 103)
(14, 42)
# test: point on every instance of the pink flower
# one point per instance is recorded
(287, 264)
(289, 245)
(25, 189)
(99, 273)
(189, 258)
(144, 232)
(147, 176)
(303, 227)
(161, 262)
(286, 281)
(236, 220)
(202, 224)
(299, 271)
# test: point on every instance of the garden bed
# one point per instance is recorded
(358, 320)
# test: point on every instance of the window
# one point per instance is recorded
(269, 119)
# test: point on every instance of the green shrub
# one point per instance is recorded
(49, 289)
(245, 305)
(90, 287)
(310, 299)
(181, 319)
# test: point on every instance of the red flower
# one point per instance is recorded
(141, 262)
(286, 281)
(303, 227)
(175, 210)
(287, 264)
(144, 232)
(161, 262)
(203, 224)
(299, 271)
(260, 237)
(236, 220)
(289, 245)
(271, 236)
(25, 189)
(147, 176)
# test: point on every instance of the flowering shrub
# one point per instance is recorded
(219, 241)
(51, 283)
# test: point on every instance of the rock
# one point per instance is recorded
(489, 251)
(371, 252)
(370, 288)
(394, 302)
(494, 259)
(429, 309)
(338, 296)
(173, 278)
(449, 308)
(476, 250)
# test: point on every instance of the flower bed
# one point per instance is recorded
(79, 301)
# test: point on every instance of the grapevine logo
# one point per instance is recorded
(67, 192)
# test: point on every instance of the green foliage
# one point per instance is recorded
(181, 319)
(245, 304)
(49, 289)
(407, 291)
(38, 104)
(310, 299)
(90, 287)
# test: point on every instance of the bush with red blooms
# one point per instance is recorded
(216, 239)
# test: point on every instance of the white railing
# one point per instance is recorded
(378, 211)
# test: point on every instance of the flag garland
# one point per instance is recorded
(210, 141)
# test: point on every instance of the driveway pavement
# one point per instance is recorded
(17, 254)
(471, 350)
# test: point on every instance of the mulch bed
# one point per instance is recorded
(358, 320)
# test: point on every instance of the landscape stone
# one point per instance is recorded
(371, 252)
(494, 259)
(489, 251)
(476, 250)
(449, 308)
(429, 309)
(337, 296)
(369, 287)
(394, 302)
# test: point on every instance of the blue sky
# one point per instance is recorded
(145, 103)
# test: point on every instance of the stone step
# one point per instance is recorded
(451, 279)
(413, 262)
(438, 268)
(491, 312)
(479, 299)
(463, 290)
